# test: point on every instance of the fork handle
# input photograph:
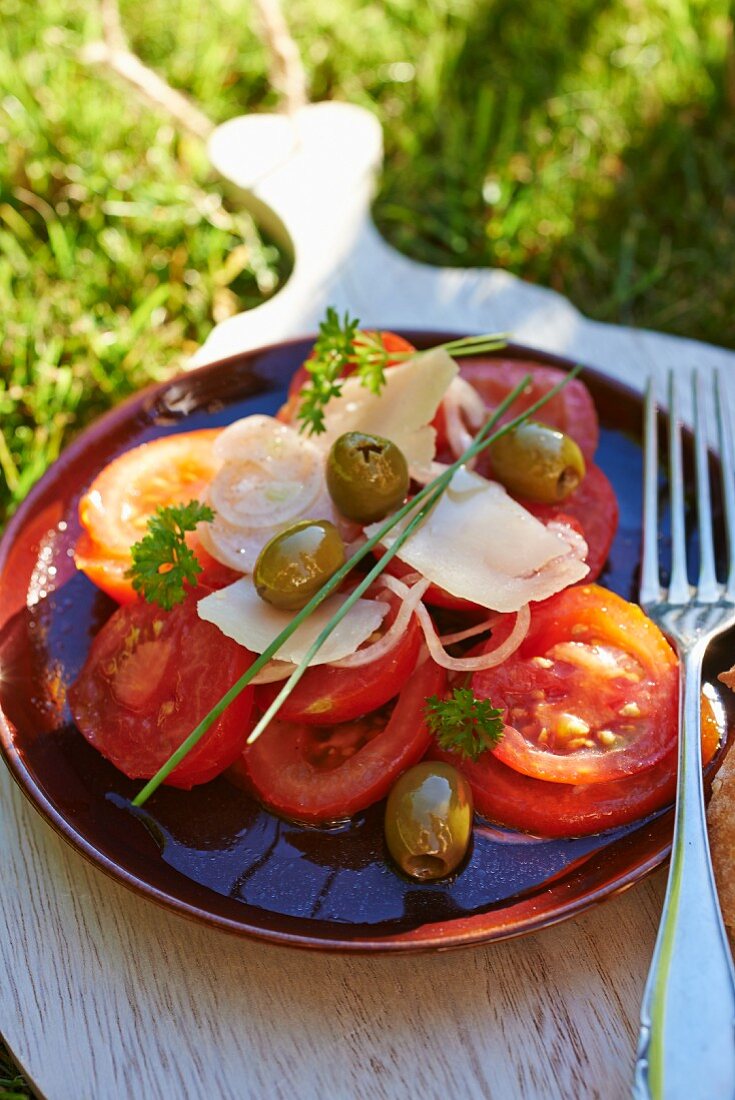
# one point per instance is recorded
(686, 1043)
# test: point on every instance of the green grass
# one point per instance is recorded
(586, 146)
(12, 1084)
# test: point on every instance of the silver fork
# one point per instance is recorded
(686, 1044)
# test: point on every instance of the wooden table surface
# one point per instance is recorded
(106, 996)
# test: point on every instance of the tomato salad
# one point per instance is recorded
(576, 688)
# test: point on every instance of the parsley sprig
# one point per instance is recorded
(463, 723)
(162, 562)
(416, 508)
(334, 349)
(343, 348)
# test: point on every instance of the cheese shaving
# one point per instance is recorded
(481, 545)
(403, 410)
(240, 613)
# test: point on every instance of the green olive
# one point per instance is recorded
(295, 563)
(428, 820)
(537, 462)
(367, 476)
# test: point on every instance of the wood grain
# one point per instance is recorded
(108, 996)
(105, 996)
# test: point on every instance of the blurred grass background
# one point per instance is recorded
(12, 1084)
(588, 146)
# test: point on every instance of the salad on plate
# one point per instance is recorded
(387, 591)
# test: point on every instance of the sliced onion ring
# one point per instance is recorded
(462, 405)
(471, 631)
(483, 660)
(434, 643)
(400, 585)
(411, 599)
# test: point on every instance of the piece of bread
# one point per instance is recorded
(721, 821)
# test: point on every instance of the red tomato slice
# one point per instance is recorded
(595, 508)
(572, 410)
(317, 774)
(326, 695)
(149, 678)
(592, 693)
(516, 801)
(106, 572)
(392, 342)
(116, 508)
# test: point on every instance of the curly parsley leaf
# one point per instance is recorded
(162, 562)
(342, 348)
(339, 346)
(371, 359)
(463, 723)
(331, 354)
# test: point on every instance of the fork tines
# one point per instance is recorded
(708, 588)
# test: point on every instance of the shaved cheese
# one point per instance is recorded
(480, 544)
(240, 613)
(403, 410)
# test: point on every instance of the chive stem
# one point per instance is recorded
(364, 584)
(464, 345)
(429, 493)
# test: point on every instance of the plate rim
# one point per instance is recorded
(424, 937)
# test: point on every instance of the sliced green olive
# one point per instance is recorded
(367, 476)
(428, 820)
(537, 462)
(295, 563)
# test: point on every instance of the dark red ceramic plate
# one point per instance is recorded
(214, 854)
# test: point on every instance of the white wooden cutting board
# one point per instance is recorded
(105, 996)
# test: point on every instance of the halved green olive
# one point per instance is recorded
(537, 462)
(428, 820)
(367, 476)
(295, 563)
